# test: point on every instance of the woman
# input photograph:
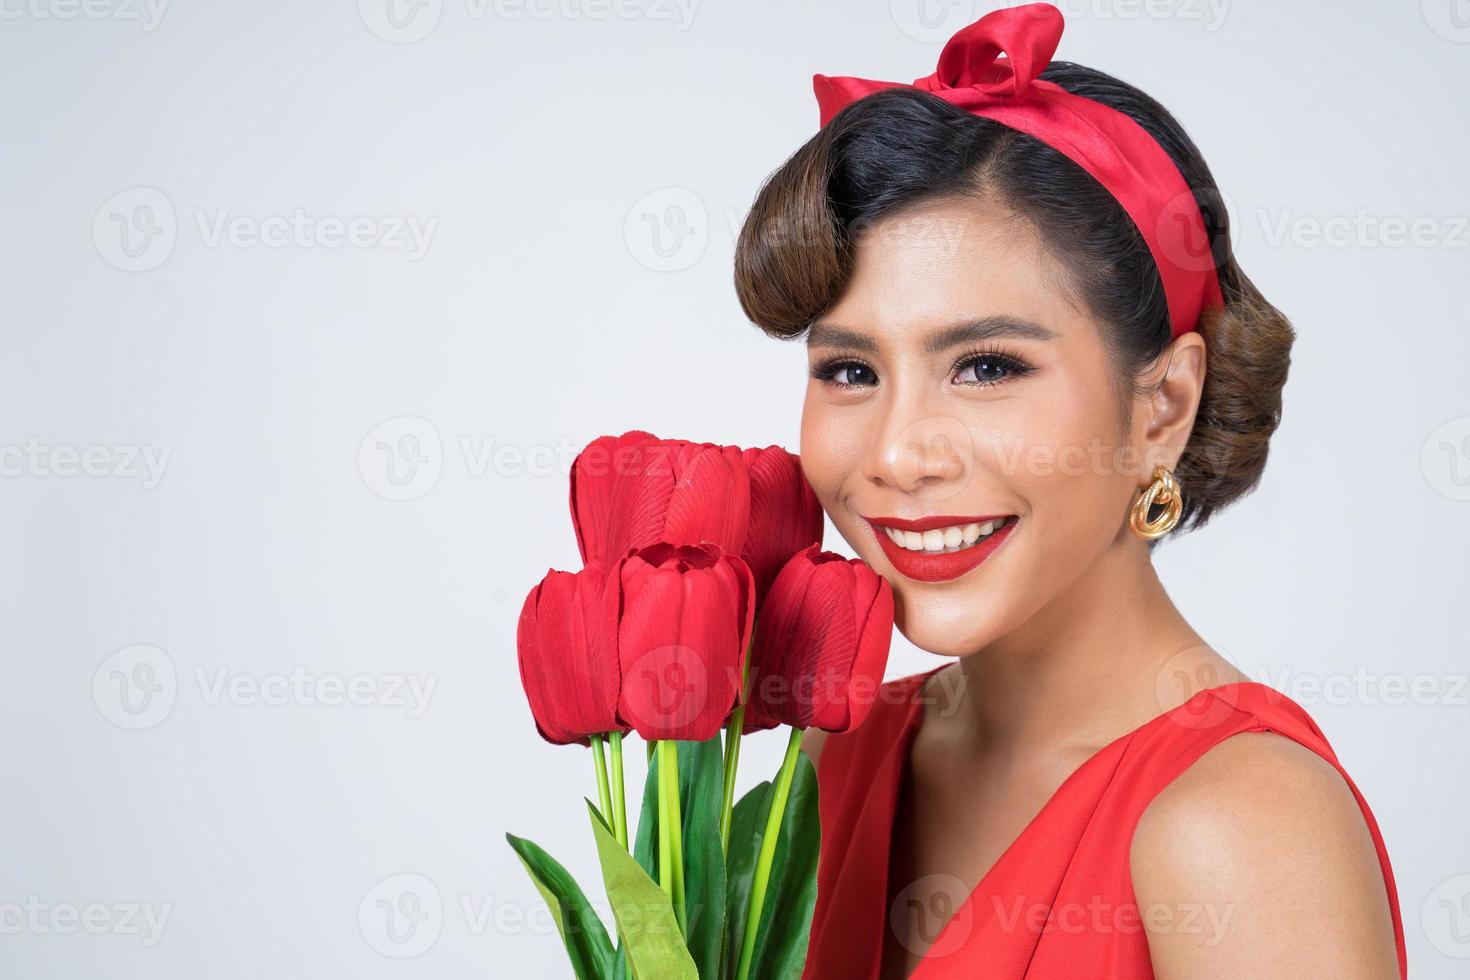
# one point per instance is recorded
(1033, 354)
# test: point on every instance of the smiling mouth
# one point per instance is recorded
(944, 540)
(940, 535)
(943, 547)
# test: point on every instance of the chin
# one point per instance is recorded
(945, 625)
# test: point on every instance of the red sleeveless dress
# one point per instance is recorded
(1059, 903)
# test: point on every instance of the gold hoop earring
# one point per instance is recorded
(1165, 492)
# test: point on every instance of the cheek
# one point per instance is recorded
(1060, 452)
(831, 446)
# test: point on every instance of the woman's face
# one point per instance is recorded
(956, 382)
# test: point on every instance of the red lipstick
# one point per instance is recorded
(937, 566)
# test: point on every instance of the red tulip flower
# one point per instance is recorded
(785, 516)
(821, 644)
(684, 615)
(634, 490)
(568, 659)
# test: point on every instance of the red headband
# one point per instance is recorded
(1115, 150)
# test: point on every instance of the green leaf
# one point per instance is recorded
(645, 841)
(645, 847)
(791, 893)
(582, 932)
(645, 918)
(701, 793)
(747, 826)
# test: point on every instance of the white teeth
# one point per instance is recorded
(943, 538)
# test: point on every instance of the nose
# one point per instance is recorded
(918, 452)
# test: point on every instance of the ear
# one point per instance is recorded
(1175, 384)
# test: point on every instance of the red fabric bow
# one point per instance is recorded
(1109, 145)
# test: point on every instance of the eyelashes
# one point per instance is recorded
(990, 366)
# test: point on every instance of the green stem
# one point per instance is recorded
(603, 800)
(734, 729)
(768, 852)
(665, 861)
(619, 801)
(668, 778)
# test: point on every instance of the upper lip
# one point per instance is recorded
(930, 523)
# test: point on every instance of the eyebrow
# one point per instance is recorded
(964, 332)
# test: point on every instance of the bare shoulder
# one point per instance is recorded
(1257, 861)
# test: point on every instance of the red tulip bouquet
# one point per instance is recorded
(704, 606)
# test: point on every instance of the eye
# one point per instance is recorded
(845, 373)
(989, 368)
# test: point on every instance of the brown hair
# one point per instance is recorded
(900, 147)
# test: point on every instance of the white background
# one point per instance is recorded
(578, 172)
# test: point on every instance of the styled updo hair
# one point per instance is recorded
(902, 147)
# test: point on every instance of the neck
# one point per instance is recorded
(1107, 655)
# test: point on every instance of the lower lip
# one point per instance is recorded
(936, 566)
